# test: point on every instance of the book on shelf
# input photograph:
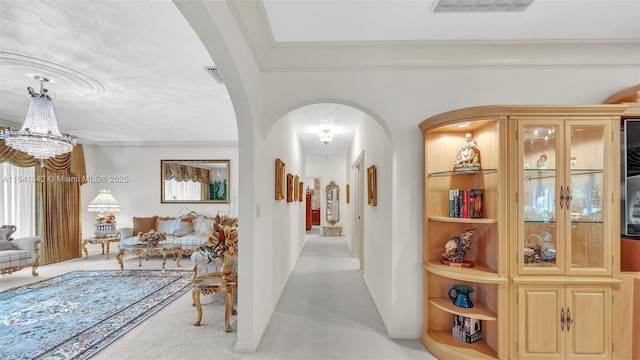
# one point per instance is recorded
(466, 329)
(466, 203)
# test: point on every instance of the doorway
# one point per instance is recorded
(313, 214)
(358, 221)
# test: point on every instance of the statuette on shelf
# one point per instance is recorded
(540, 161)
(468, 157)
(455, 250)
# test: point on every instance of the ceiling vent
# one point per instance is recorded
(480, 5)
(215, 74)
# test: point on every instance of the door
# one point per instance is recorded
(565, 321)
(358, 202)
(587, 203)
(539, 315)
(564, 196)
(588, 322)
(540, 160)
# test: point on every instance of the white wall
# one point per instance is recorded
(378, 236)
(132, 173)
(279, 225)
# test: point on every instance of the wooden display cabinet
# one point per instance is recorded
(565, 178)
(444, 136)
(566, 200)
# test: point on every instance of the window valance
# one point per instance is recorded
(179, 172)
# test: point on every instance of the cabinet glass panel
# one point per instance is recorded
(584, 198)
(540, 236)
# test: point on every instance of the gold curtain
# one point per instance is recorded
(185, 173)
(58, 218)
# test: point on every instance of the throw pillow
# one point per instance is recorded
(143, 225)
(182, 232)
(168, 225)
(202, 225)
(6, 245)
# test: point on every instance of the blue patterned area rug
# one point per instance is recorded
(74, 315)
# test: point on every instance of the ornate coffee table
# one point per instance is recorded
(102, 241)
(144, 249)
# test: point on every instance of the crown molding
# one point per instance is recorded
(407, 55)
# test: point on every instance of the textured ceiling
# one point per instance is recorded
(117, 76)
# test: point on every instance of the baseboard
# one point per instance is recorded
(393, 333)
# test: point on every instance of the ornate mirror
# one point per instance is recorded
(194, 181)
(333, 203)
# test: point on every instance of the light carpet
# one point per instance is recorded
(74, 315)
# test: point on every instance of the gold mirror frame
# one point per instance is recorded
(178, 175)
(332, 213)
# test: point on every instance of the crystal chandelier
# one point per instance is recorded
(326, 136)
(39, 135)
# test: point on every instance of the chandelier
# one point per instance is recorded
(326, 136)
(39, 135)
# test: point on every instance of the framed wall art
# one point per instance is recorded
(347, 193)
(372, 190)
(279, 179)
(289, 187)
(296, 193)
(301, 191)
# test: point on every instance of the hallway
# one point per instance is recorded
(326, 312)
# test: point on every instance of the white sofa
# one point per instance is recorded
(190, 231)
(17, 254)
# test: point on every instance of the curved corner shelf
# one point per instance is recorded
(463, 220)
(442, 345)
(462, 172)
(478, 274)
(478, 311)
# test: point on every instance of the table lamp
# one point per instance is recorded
(105, 204)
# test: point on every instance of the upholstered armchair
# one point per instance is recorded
(16, 254)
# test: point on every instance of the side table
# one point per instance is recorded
(102, 241)
(211, 283)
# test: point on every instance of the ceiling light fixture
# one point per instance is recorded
(39, 135)
(326, 136)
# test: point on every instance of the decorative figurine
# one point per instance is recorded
(573, 162)
(455, 250)
(540, 161)
(468, 157)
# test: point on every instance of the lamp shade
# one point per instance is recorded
(104, 202)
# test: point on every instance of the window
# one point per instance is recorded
(18, 198)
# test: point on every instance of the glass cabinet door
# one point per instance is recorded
(540, 149)
(583, 198)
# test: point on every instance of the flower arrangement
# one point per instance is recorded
(223, 239)
(106, 219)
(152, 237)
